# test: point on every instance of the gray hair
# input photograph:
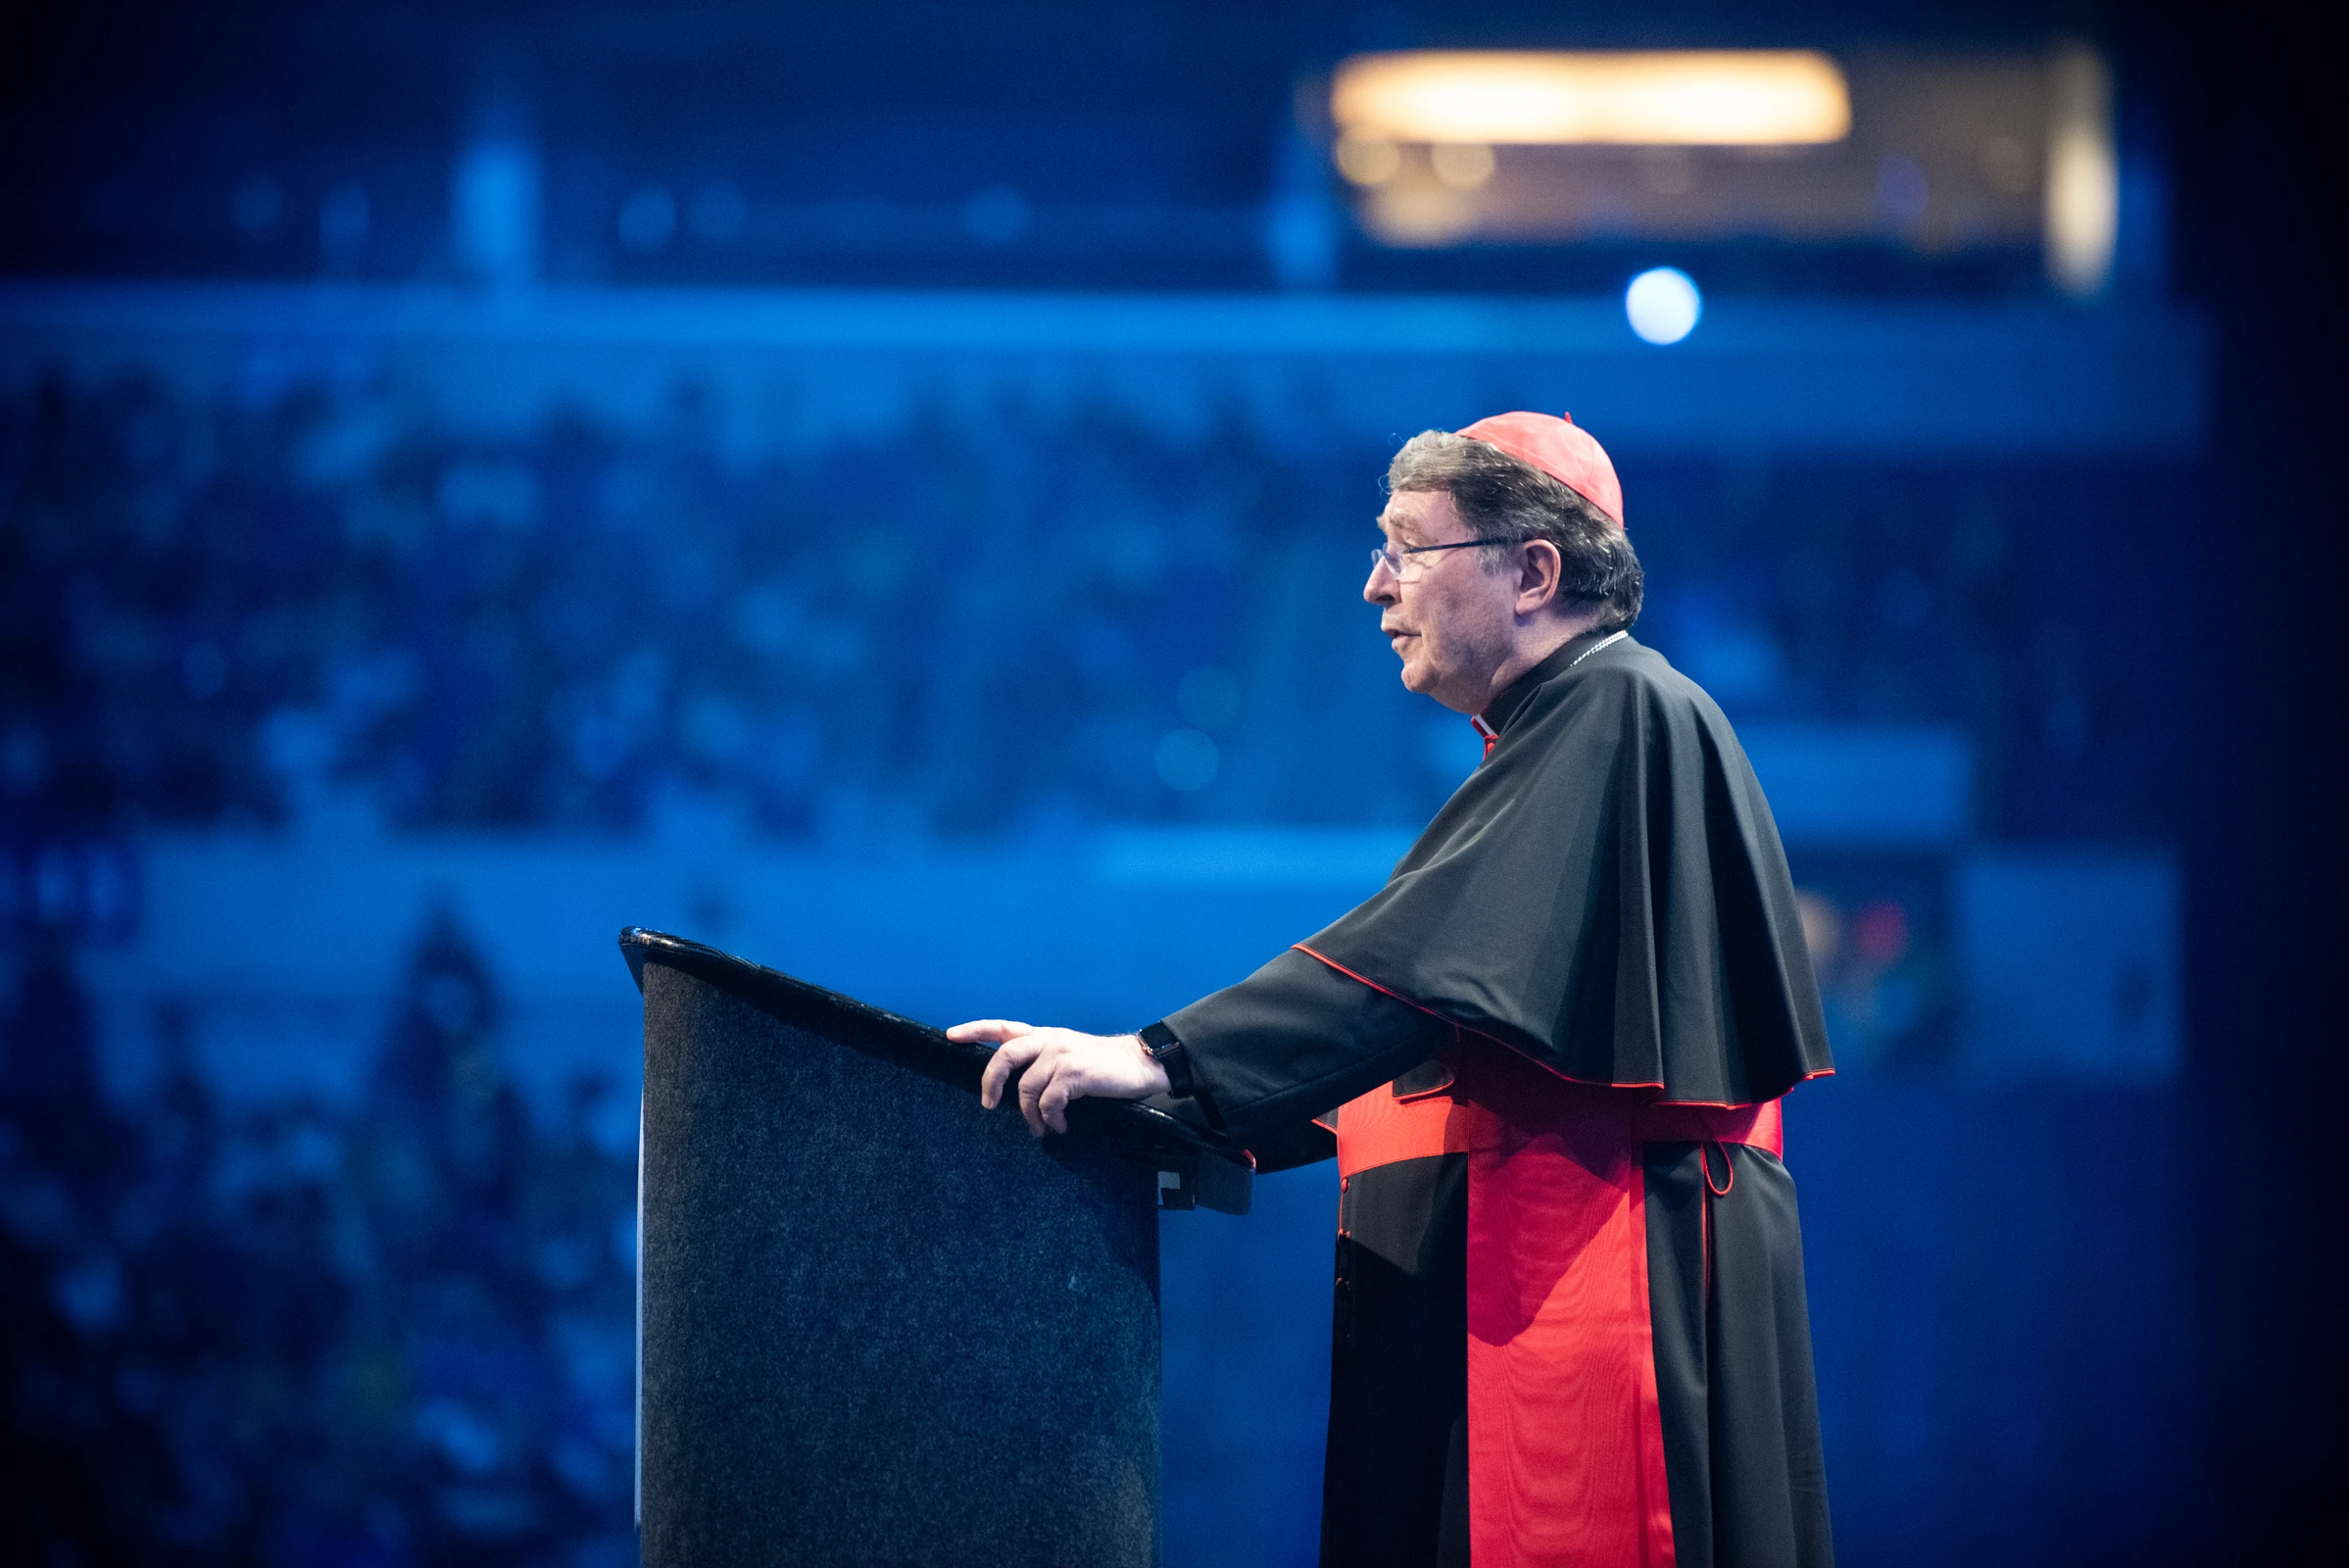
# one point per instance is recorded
(1500, 496)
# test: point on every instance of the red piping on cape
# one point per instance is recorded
(1461, 1028)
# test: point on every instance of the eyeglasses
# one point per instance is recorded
(1392, 558)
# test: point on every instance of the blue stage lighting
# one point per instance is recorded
(1663, 304)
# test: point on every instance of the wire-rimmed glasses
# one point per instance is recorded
(1391, 556)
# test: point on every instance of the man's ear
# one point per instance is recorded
(1539, 570)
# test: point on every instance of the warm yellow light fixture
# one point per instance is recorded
(1726, 98)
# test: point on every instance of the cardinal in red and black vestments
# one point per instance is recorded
(1548, 1056)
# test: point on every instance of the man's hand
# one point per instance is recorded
(1061, 1065)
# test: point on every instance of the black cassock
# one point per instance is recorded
(1572, 1009)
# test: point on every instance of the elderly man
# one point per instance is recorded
(1570, 1318)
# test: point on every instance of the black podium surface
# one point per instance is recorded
(877, 1324)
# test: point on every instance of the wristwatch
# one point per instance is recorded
(1168, 1053)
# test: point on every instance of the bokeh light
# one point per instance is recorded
(1188, 761)
(1663, 305)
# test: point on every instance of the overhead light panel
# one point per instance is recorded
(1716, 98)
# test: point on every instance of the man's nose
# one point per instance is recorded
(1379, 588)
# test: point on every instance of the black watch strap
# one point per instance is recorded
(1167, 1051)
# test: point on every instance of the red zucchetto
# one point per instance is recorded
(1559, 448)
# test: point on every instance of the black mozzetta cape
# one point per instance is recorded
(1606, 892)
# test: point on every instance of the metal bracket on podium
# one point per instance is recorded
(1203, 1181)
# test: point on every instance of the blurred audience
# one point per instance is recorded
(296, 1336)
(245, 612)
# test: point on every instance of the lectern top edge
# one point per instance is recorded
(638, 945)
(1207, 1167)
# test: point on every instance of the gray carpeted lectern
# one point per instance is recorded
(878, 1325)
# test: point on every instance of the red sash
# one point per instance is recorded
(1565, 1438)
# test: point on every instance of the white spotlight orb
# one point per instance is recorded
(1663, 304)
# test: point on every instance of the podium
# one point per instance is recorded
(876, 1324)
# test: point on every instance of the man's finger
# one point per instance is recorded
(1052, 1103)
(988, 1031)
(1007, 1059)
(1032, 1085)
